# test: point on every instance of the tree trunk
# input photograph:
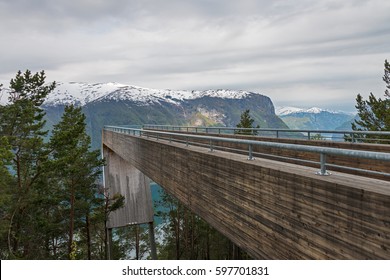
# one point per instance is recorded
(88, 235)
(71, 222)
(153, 249)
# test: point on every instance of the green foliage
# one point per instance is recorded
(6, 181)
(317, 136)
(21, 123)
(74, 172)
(73, 252)
(374, 113)
(115, 203)
(131, 242)
(51, 205)
(111, 203)
(5, 155)
(187, 236)
(386, 78)
(246, 121)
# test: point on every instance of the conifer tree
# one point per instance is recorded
(187, 236)
(76, 170)
(5, 193)
(50, 206)
(246, 121)
(21, 123)
(374, 113)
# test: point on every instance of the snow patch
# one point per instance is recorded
(80, 94)
(284, 111)
(4, 93)
(83, 93)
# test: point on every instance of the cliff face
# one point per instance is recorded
(205, 111)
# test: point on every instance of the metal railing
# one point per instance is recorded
(322, 151)
(335, 135)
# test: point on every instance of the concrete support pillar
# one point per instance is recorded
(123, 178)
(120, 177)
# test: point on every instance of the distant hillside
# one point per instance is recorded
(313, 118)
(348, 124)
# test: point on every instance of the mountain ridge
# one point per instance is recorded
(313, 118)
(81, 94)
(288, 110)
(119, 104)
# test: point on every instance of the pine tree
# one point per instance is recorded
(76, 171)
(246, 121)
(5, 193)
(21, 123)
(187, 236)
(374, 113)
(50, 204)
(386, 78)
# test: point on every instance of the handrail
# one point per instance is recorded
(309, 133)
(323, 151)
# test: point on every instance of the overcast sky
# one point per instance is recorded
(299, 53)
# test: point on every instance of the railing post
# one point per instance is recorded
(323, 171)
(308, 135)
(250, 156)
(277, 134)
(211, 146)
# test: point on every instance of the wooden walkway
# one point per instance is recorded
(271, 209)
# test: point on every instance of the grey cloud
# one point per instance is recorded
(82, 9)
(248, 44)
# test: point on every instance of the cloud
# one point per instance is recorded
(269, 46)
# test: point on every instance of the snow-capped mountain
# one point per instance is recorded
(83, 93)
(283, 111)
(313, 118)
(119, 104)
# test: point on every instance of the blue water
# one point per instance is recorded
(156, 197)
